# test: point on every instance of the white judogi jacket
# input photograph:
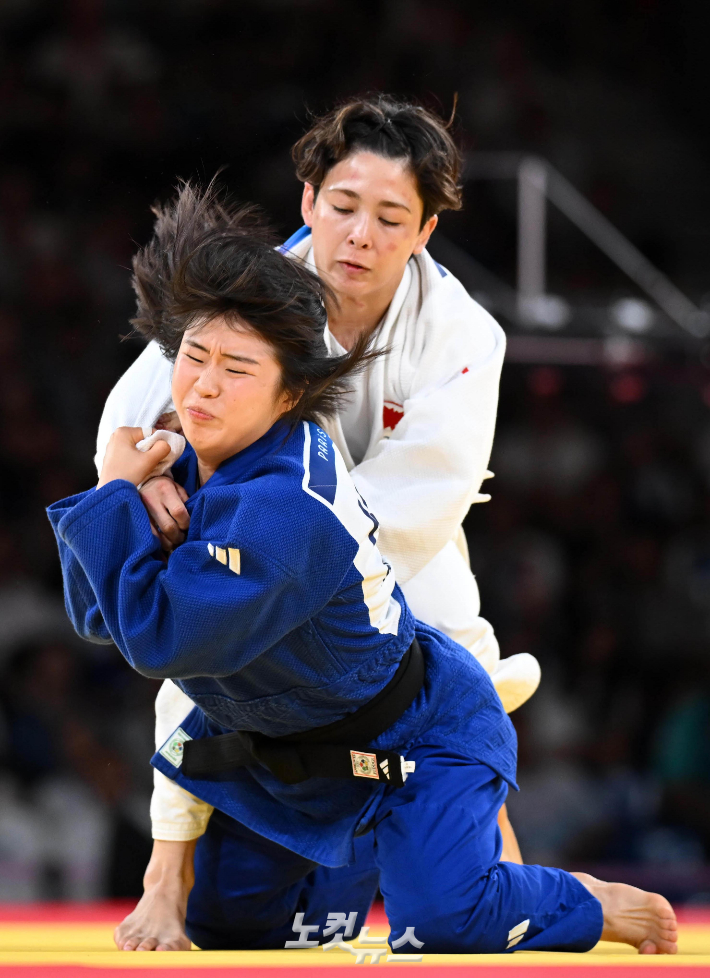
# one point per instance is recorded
(433, 401)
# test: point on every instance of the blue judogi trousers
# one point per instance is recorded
(434, 849)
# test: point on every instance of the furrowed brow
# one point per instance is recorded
(231, 356)
(235, 356)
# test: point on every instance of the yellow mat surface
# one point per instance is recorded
(67, 948)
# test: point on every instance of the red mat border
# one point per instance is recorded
(106, 911)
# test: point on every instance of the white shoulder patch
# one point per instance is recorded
(326, 478)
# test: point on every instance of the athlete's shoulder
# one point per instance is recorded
(299, 479)
(315, 488)
(446, 299)
(451, 332)
(312, 475)
(291, 506)
(320, 464)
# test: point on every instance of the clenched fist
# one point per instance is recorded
(124, 461)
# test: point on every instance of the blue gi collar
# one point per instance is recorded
(232, 469)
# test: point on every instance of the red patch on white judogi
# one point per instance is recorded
(392, 414)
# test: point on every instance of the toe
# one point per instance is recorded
(149, 944)
(658, 946)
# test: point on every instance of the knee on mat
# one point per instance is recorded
(247, 935)
(239, 924)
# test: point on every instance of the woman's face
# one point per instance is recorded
(226, 389)
(366, 224)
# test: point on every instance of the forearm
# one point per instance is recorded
(176, 815)
(193, 615)
(149, 614)
(106, 533)
(421, 482)
(417, 520)
(172, 864)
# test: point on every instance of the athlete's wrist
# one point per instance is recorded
(171, 866)
(153, 478)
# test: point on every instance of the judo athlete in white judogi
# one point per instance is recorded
(324, 711)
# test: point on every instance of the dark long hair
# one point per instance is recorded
(209, 257)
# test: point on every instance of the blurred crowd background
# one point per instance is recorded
(594, 553)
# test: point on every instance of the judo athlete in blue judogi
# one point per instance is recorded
(282, 622)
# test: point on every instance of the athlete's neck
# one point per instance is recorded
(357, 316)
(205, 471)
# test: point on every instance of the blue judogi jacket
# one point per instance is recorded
(277, 614)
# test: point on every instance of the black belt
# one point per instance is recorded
(324, 752)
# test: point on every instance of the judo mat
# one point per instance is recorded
(75, 941)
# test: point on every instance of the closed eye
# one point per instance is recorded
(190, 357)
(348, 210)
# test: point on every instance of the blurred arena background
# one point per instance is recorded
(594, 553)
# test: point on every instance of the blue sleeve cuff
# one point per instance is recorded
(70, 516)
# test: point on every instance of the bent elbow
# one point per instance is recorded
(150, 670)
(155, 667)
(91, 627)
(97, 639)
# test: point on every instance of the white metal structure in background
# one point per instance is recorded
(539, 182)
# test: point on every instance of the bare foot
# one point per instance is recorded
(633, 916)
(157, 923)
